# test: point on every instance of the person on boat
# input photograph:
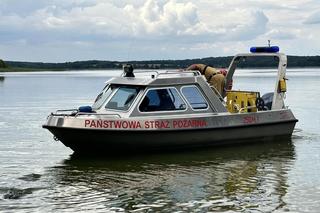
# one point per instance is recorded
(215, 77)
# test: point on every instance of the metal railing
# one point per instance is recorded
(104, 114)
(75, 113)
(168, 72)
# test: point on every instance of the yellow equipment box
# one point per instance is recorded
(242, 101)
(282, 85)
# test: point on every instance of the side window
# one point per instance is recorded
(166, 99)
(194, 97)
(123, 98)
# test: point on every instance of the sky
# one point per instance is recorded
(73, 30)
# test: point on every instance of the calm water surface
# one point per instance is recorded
(38, 174)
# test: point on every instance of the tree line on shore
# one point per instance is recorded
(221, 62)
(2, 64)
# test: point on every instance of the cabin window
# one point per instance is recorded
(102, 97)
(164, 99)
(194, 97)
(123, 98)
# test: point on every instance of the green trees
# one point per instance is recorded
(263, 62)
(2, 64)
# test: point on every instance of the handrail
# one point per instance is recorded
(217, 93)
(54, 114)
(88, 113)
(66, 110)
(85, 113)
(194, 72)
(168, 72)
(72, 112)
(147, 71)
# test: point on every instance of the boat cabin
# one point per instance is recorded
(158, 93)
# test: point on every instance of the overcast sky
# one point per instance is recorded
(70, 30)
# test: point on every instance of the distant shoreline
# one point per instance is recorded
(13, 70)
(219, 62)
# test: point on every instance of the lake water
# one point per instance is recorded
(38, 174)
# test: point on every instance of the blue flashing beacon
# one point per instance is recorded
(270, 49)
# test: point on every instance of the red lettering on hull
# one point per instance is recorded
(133, 124)
(189, 124)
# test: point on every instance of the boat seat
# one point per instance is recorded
(268, 98)
(166, 105)
(165, 101)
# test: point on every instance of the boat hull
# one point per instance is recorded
(110, 141)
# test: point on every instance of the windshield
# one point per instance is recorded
(123, 98)
(102, 97)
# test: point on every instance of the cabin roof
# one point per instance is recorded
(158, 78)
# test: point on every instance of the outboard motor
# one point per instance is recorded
(267, 98)
(128, 70)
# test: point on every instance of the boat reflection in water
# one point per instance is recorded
(230, 178)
